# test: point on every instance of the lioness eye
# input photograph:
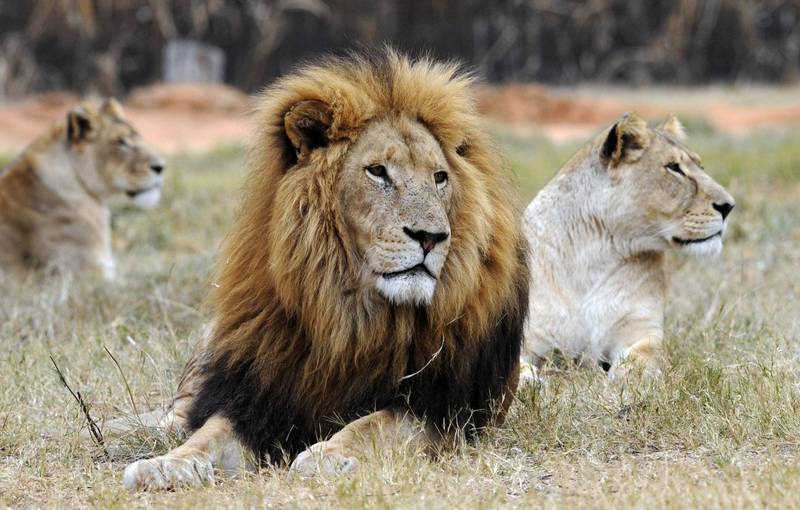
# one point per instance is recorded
(675, 167)
(378, 171)
(122, 142)
(440, 177)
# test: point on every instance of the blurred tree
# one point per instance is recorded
(110, 46)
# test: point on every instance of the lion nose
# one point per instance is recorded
(157, 167)
(428, 240)
(724, 209)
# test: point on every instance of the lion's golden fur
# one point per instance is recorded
(302, 351)
(288, 245)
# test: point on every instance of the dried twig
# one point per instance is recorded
(94, 429)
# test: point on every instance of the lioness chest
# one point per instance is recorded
(595, 325)
(586, 303)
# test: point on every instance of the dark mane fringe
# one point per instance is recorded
(297, 346)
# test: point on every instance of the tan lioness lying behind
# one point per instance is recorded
(598, 232)
(53, 214)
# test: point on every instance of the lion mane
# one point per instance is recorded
(297, 348)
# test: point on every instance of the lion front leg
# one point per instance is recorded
(212, 446)
(529, 371)
(642, 357)
(535, 351)
(341, 453)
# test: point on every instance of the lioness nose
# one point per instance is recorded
(426, 239)
(724, 208)
(157, 167)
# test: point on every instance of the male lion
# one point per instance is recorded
(597, 235)
(375, 277)
(52, 197)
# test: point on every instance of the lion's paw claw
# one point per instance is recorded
(165, 473)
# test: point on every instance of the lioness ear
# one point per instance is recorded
(79, 125)
(673, 127)
(112, 107)
(306, 124)
(626, 140)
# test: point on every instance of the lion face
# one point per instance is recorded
(669, 199)
(105, 141)
(374, 192)
(395, 189)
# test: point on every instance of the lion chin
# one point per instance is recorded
(414, 287)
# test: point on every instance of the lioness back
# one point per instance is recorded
(53, 212)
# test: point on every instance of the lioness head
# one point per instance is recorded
(662, 196)
(112, 155)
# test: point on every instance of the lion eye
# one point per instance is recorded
(378, 171)
(440, 177)
(122, 142)
(675, 167)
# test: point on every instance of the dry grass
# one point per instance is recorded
(720, 430)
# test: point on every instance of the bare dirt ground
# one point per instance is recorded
(562, 114)
(177, 118)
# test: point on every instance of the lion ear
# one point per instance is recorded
(673, 127)
(626, 140)
(80, 124)
(112, 107)
(306, 124)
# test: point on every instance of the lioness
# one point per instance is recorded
(598, 232)
(53, 213)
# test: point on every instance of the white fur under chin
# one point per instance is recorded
(710, 248)
(407, 288)
(148, 199)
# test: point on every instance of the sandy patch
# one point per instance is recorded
(177, 118)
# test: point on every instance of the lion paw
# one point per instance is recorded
(316, 460)
(528, 374)
(632, 370)
(165, 473)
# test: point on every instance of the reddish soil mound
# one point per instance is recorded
(195, 117)
(565, 114)
(198, 117)
(558, 115)
(744, 120)
(170, 117)
(189, 97)
(22, 122)
(526, 104)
